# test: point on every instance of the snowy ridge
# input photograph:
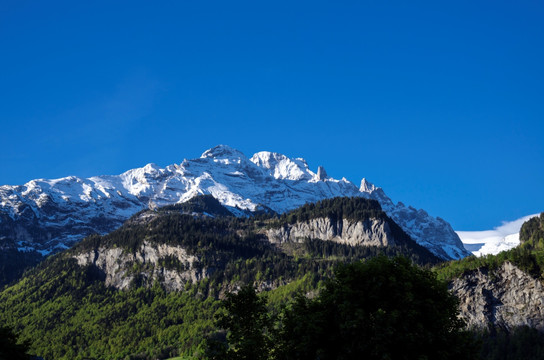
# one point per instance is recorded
(492, 242)
(47, 215)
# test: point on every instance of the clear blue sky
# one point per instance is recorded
(440, 103)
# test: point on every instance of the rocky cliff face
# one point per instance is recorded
(371, 232)
(506, 297)
(170, 265)
(173, 265)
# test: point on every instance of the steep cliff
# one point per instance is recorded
(171, 266)
(370, 232)
(505, 297)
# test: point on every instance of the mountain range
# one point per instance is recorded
(44, 216)
(154, 250)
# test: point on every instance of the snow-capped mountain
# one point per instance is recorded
(49, 215)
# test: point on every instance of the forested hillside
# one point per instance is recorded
(532, 232)
(67, 310)
(154, 288)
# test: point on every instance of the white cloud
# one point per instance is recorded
(501, 238)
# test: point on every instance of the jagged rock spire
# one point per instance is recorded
(321, 173)
(367, 186)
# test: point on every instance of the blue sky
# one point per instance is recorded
(441, 104)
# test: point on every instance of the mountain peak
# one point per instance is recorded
(283, 167)
(151, 168)
(222, 152)
(367, 186)
(321, 173)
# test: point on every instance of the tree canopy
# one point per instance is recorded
(380, 309)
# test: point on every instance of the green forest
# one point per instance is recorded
(384, 308)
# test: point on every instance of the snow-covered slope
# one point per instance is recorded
(48, 215)
(492, 242)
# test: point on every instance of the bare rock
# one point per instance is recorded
(121, 267)
(506, 297)
(371, 232)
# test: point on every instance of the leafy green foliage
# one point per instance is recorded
(532, 232)
(248, 321)
(381, 309)
(384, 308)
(66, 313)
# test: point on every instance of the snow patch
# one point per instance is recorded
(492, 242)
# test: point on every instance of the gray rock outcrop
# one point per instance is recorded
(506, 297)
(371, 232)
(321, 173)
(120, 267)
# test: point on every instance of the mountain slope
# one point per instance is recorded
(179, 246)
(151, 286)
(44, 216)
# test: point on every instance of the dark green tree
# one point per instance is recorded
(248, 324)
(9, 348)
(531, 233)
(382, 309)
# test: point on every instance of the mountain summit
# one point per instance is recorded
(45, 216)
